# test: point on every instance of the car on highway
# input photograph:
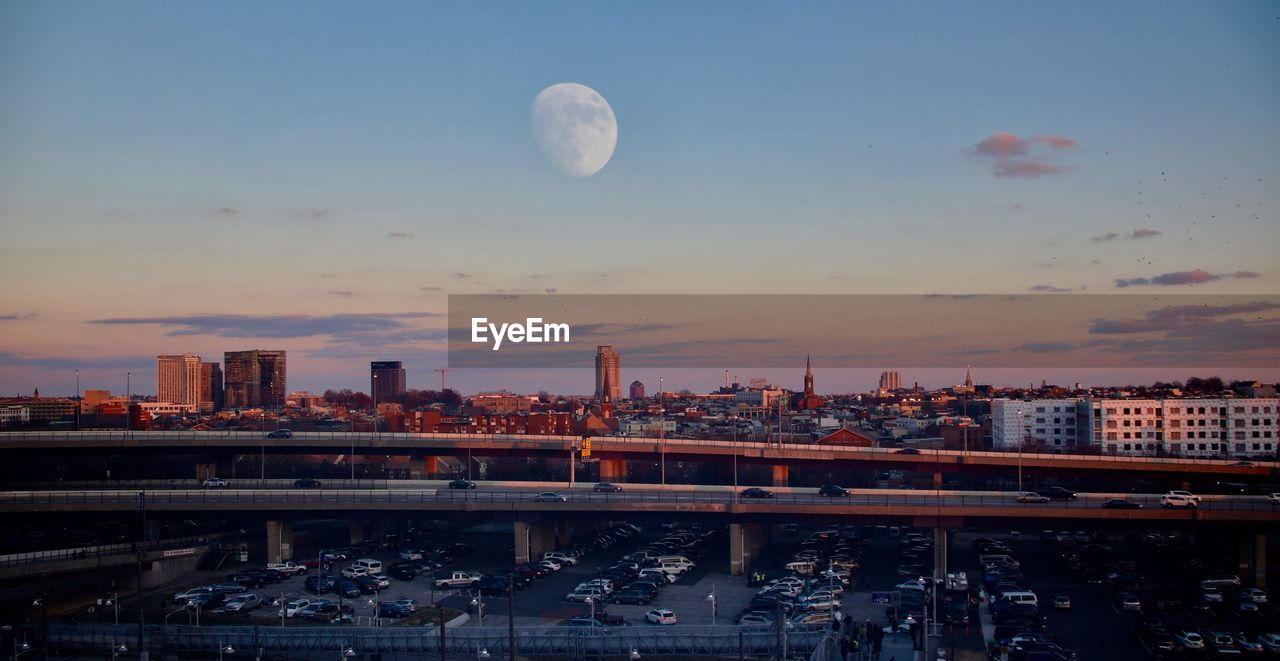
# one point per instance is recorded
(1031, 497)
(243, 603)
(281, 433)
(462, 484)
(756, 492)
(550, 497)
(1274, 498)
(214, 482)
(306, 483)
(1120, 504)
(908, 451)
(606, 487)
(660, 616)
(1057, 493)
(833, 491)
(1180, 499)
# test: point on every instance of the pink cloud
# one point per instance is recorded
(1027, 169)
(1015, 156)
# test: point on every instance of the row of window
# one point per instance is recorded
(1175, 448)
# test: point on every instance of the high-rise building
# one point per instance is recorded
(386, 380)
(890, 380)
(608, 371)
(211, 394)
(255, 378)
(178, 379)
(637, 390)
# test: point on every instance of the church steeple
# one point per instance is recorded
(606, 399)
(808, 376)
(968, 377)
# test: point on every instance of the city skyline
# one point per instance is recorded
(1058, 156)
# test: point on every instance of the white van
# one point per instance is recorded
(369, 565)
(802, 567)
(1022, 598)
(678, 559)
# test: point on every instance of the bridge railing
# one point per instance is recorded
(100, 551)
(570, 500)
(562, 642)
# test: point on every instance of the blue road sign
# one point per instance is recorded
(885, 598)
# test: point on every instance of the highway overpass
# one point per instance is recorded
(615, 451)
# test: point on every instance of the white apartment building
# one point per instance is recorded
(14, 416)
(1059, 425)
(1186, 427)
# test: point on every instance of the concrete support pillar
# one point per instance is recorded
(214, 466)
(746, 540)
(531, 540)
(424, 468)
(781, 475)
(357, 530)
(937, 479)
(613, 470)
(940, 552)
(279, 541)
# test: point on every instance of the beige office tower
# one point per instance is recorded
(608, 372)
(178, 379)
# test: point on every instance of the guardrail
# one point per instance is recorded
(87, 552)
(561, 642)
(603, 443)
(359, 497)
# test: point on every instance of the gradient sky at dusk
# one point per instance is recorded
(316, 176)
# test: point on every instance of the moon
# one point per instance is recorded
(575, 127)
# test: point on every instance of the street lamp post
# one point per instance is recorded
(712, 598)
(662, 428)
(78, 403)
(128, 401)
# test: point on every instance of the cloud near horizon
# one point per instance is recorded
(338, 326)
(1176, 278)
(1014, 156)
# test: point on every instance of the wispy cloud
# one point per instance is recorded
(16, 316)
(318, 214)
(1144, 233)
(1102, 238)
(462, 276)
(1049, 289)
(339, 326)
(60, 363)
(228, 211)
(401, 235)
(1176, 317)
(1176, 278)
(343, 293)
(1047, 347)
(1010, 155)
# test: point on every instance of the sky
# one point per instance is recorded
(318, 176)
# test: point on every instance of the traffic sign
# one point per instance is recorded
(885, 598)
(586, 447)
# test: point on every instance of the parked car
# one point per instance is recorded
(290, 568)
(660, 616)
(293, 608)
(606, 487)
(243, 603)
(1061, 602)
(1189, 640)
(457, 579)
(462, 484)
(756, 492)
(1257, 595)
(316, 585)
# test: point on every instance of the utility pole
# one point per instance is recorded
(511, 617)
(142, 597)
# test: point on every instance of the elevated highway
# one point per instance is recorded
(612, 448)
